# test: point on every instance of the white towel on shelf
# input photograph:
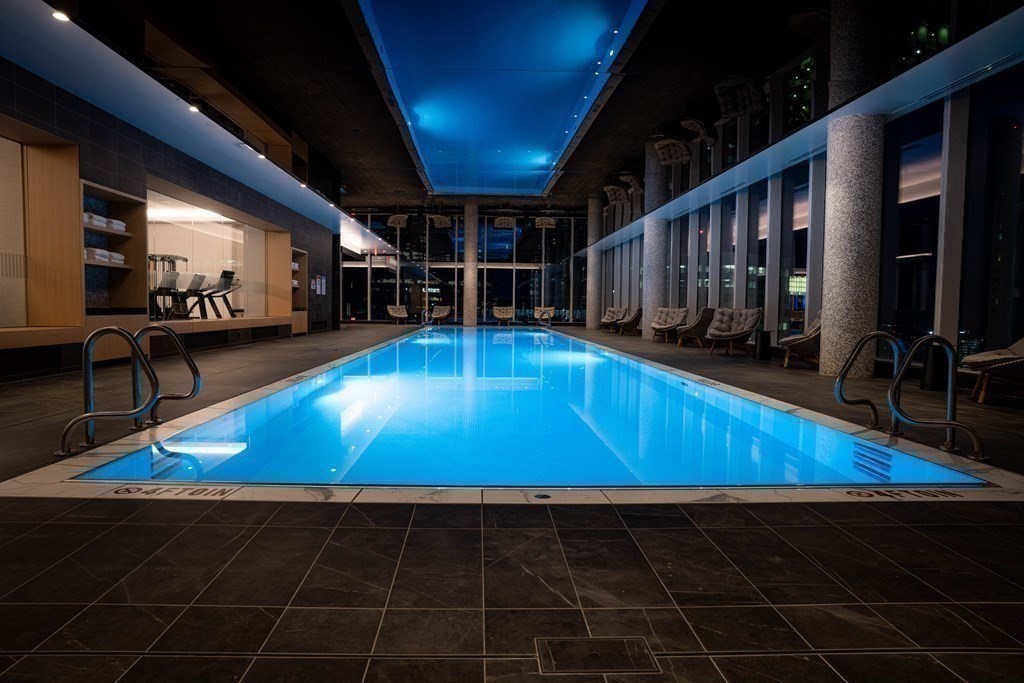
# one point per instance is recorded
(94, 254)
(295, 283)
(115, 224)
(114, 256)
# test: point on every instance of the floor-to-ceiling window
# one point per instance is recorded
(910, 223)
(703, 256)
(681, 228)
(757, 243)
(727, 254)
(992, 280)
(793, 250)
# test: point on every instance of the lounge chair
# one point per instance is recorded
(398, 313)
(440, 314)
(805, 345)
(630, 323)
(1000, 363)
(504, 314)
(697, 330)
(667, 320)
(733, 326)
(612, 316)
(543, 315)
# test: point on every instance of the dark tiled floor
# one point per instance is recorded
(139, 590)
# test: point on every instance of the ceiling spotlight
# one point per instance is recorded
(615, 31)
(611, 52)
(596, 73)
(60, 16)
(599, 63)
(332, 206)
(261, 156)
(193, 108)
(302, 184)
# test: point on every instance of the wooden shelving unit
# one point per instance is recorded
(116, 293)
(300, 291)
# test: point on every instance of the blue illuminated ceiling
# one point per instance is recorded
(493, 93)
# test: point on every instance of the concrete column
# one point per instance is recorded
(595, 221)
(951, 215)
(853, 196)
(656, 237)
(471, 227)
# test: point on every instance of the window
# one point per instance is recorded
(727, 271)
(757, 244)
(793, 250)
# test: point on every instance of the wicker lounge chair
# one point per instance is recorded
(543, 315)
(440, 314)
(504, 314)
(630, 323)
(666, 320)
(697, 330)
(612, 316)
(805, 345)
(1005, 363)
(398, 313)
(733, 326)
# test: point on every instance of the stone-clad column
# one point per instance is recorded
(471, 228)
(595, 218)
(853, 197)
(656, 237)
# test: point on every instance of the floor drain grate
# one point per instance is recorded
(595, 655)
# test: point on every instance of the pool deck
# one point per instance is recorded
(499, 586)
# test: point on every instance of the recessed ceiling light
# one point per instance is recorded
(193, 108)
(261, 156)
(332, 206)
(615, 31)
(302, 184)
(60, 16)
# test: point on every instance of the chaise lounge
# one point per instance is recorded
(805, 345)
(733, 326)
(697, 330)
(612, 316)
(1005, 364)
(667, 320)
(504, 314)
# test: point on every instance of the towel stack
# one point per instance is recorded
(295, 266)
(96, 254)
(295, 283)
(92, 220)
(115, 257)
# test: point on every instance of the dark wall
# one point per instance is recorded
(118, 155)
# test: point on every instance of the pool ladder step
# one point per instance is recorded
(140, 365)
(902, 359)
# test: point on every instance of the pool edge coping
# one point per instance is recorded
(57, 479)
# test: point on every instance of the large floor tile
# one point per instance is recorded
(439, 568)
(69, 669)
(305, 670)
(525, 568)
(585, 517)
(431, 632)
(516, 517)
(424, 671)
(664, 629)
(355, 569)
(528, 671)
(178, 669)
(325, 631)
(219, 629)
(843, 627)
(361, 515)
(444, 516)
(743, 629)
(23, 627)
(33, 552)
(988, 667)
(938, 626)
(609, 570)
(113, 628)
(776, 668)
(902, 667)
(512, 632)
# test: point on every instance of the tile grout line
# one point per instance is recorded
(208, 584)
(572, 579)
(298, 587)
(391, 587)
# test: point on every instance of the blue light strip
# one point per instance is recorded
(493, 93)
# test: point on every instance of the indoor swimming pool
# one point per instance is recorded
(522, 407)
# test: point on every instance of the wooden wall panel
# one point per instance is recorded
(279, 274)
(53, 237)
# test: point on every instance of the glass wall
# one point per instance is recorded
(681, 228)
(727, 270)
(202, 264)
(757, 244)
(992, 284)
(703, 256)
(910, 224)
(13, 311)
(793, 250)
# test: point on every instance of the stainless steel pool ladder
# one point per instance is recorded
(837, 390)
(139, 363)
(901, 365)
(950, 424)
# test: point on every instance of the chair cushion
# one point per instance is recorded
(980, 360)
(733, 321)
(1017, 348)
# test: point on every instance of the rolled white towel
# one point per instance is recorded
(115, 224)
(93, 254)
(295, 283)
(114, 256)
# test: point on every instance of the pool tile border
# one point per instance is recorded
(56, 480)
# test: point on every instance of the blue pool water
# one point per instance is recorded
(524, 407)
